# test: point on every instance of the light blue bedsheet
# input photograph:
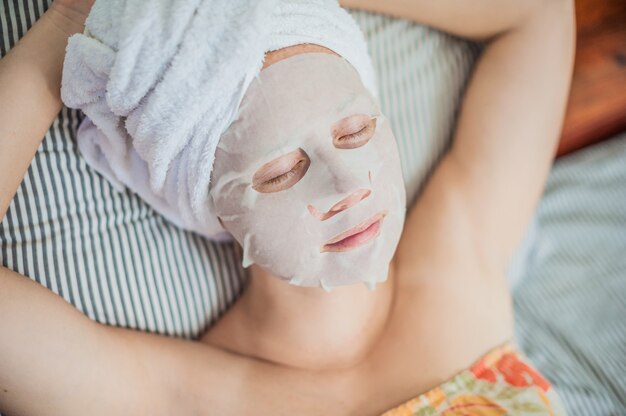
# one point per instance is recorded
(570, 281)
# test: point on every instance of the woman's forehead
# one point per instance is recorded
(310, 74)
(303, 90)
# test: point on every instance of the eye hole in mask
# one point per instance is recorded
(281, 173)
(354, 131)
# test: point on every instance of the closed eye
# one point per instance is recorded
(354, 131)
(272, 177)
(285, 176)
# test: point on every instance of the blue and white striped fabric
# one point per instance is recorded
(121, 264)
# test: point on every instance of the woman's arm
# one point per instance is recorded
(44, 342)
(459, 235)
(488, 185)
(510, 124)
(30, 99)
(477, 19)
(55, 361)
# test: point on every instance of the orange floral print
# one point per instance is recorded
(473, 405)
(435, 397)
(501, 383)
(518, 374)
(482, 372)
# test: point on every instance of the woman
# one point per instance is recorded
(445, 302)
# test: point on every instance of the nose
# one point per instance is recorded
(342, 205)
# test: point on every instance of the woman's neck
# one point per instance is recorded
(302, 326)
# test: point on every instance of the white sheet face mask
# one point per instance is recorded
(309, 158)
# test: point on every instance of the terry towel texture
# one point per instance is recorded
(160, 81)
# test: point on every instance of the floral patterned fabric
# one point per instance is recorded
(501, 383)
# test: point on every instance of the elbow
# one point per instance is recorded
(532, 11)
(558, 20)
(566, 7)
(558, 10)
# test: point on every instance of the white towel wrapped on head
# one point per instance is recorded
(160, 81)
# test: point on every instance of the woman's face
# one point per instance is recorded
(309, 162)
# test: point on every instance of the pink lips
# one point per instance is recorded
(356, 236)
